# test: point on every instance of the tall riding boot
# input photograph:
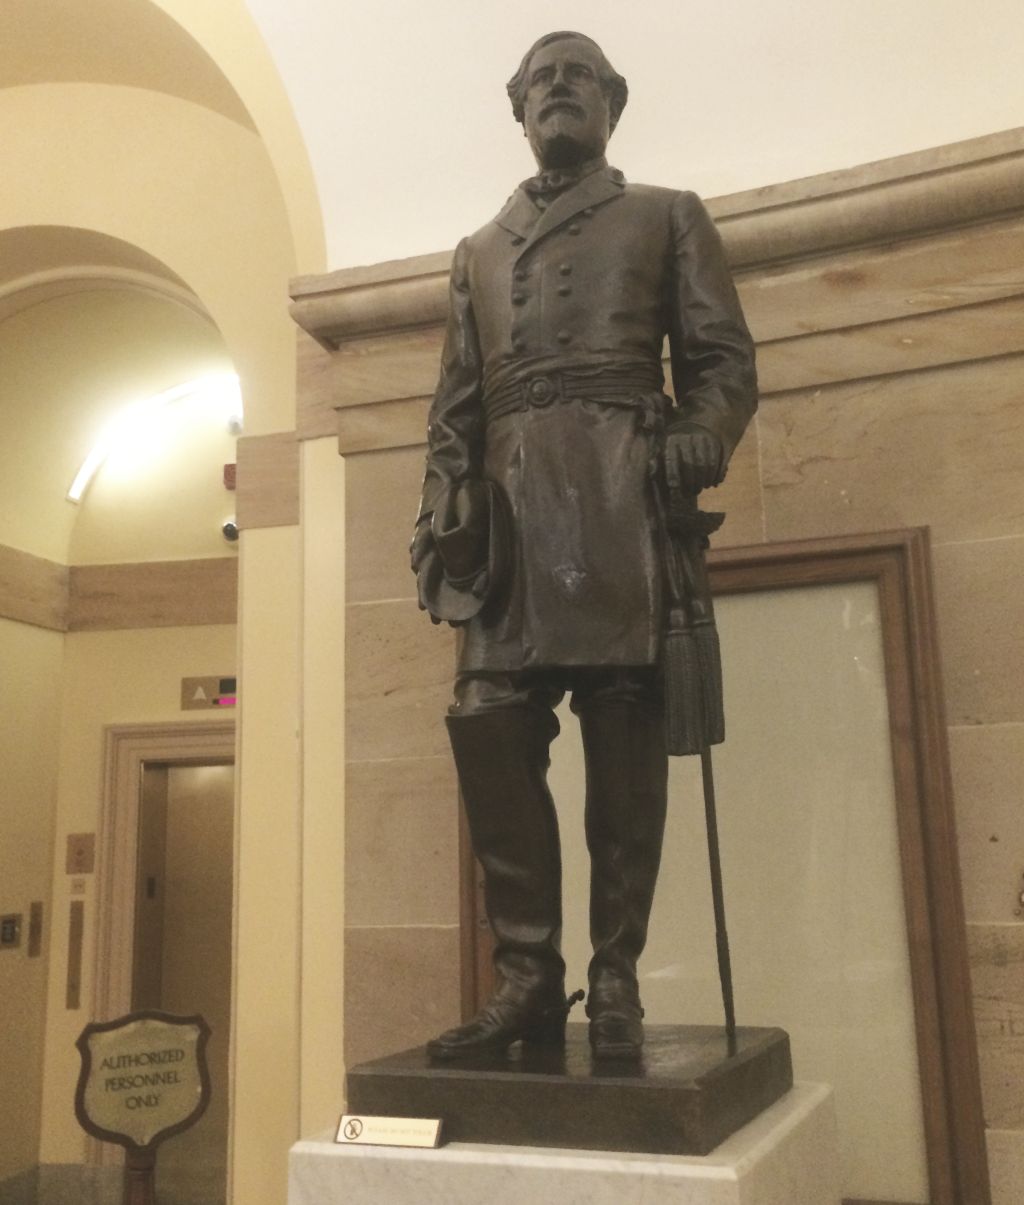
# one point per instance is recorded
(502, 760)
(627, 786)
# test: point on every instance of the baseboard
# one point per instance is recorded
(21, 1189)
(69, 1184)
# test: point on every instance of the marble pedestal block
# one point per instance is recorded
(786, 1156)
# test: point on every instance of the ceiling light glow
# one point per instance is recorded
(138, 425)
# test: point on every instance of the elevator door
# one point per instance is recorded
(182, 958)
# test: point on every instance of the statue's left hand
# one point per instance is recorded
(422, 544)
(694, 458)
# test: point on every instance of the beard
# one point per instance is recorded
(565, 142)
(564, 150)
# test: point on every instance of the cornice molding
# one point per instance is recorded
(911, 195)
(398, 295)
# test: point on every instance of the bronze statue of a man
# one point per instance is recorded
(541, 530)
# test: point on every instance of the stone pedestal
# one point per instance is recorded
(786, 1156)
(685, 1095)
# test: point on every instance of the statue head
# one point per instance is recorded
(568, 98)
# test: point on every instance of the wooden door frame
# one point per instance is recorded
(128, 748)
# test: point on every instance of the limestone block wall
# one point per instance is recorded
(888, 306)
(401, 839)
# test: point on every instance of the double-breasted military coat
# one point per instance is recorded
(551, 386)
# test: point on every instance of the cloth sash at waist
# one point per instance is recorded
(612, 385)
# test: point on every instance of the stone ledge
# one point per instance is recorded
(910, 195)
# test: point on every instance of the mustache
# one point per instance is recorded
(562, 104)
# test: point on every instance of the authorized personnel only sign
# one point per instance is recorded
(143, 1078)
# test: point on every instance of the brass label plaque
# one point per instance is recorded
(143, 1078)
(361, 1130)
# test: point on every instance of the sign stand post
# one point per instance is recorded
(140, 1176)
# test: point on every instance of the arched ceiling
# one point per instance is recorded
(145, 229)
(30, 249)
(41, 263)
(127, 42)
(67, 366)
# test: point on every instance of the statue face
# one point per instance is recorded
(566, 110)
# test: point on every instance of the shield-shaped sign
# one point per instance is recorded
(144, 1077)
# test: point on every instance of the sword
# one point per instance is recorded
(693, 690)
(718, 899)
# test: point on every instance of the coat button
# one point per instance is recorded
(564, 290)
(518, 298)
(520, 274)
(588, 212)
(540, 203)
(518, 345)
(575, 228)
(565, 269)
(564, 337)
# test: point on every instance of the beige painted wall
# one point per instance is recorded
(268, 858)
(121, 677)
(29, 714)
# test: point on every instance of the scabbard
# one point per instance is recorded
(691, 653)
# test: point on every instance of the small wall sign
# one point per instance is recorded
(199, 694)
(388, 1131)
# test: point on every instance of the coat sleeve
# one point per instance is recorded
(713, 370)
(455, 426)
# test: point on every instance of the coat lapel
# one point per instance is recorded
(519, 215)
(592, 190)
(522, 218)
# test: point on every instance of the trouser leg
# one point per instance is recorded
(622, 723)
(500, 740)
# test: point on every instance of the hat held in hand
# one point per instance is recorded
(469, 561)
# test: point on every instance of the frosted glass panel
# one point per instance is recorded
(810, 854)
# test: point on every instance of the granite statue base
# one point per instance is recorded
(684, 1097)
(787, 1156)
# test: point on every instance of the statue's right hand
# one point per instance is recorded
(422, 544)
